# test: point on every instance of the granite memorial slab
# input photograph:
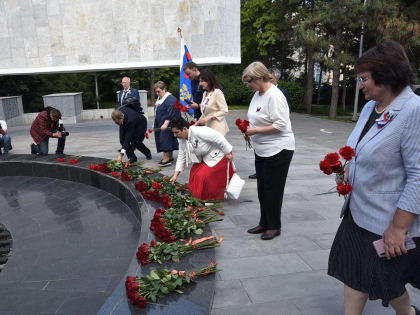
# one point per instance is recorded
(75, 235)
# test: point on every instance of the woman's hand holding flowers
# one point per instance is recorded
(251, 132)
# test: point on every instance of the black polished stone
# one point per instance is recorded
(76, 242)
(69, 243)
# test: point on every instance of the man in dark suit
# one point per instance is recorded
(133, 126)
(191, 70)
(127, 91)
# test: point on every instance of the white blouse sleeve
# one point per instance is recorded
(279, 111)
(181, 160)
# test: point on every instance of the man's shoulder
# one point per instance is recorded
(43, 114)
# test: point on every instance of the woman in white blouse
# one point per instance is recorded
(274, 144)
(209, 152)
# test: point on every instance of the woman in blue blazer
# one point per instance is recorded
(385, 176)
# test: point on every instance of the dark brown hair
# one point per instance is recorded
(179, 123)
(388, 65)
(190, 65)
(208, 77)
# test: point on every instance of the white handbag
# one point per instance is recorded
(234, 187)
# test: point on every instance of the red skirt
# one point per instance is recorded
(209, 182)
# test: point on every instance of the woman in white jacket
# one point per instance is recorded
(209, 152)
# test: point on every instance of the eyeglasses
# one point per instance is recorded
(361, 80)
(249, 81)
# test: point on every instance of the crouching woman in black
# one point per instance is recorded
(133, 126)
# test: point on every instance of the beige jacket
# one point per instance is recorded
(214, 104)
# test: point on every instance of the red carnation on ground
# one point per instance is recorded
(347, 153)
(125, 176)
(150, 130)
(146, 135)
(115, 174)
(153, 243)
(344, 189)
(73, 161)
(61, 160)
(141, 186)
(143, 254)
(156, 185)
(166, 200)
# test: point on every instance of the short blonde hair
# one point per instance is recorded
(117, 116)
(256, 70)
(160, 85)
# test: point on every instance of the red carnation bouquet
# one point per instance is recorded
(243, 127)
(178, 106)
(162, 282)
(332, 164)
(160, 251)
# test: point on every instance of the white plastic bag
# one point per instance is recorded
(234, 187)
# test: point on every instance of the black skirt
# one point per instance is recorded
(354, 261)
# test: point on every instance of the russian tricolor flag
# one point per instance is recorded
(185, 92)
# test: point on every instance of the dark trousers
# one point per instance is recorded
(42, 147)
(271, 179)
(137, 143)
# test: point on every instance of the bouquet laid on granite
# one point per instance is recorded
(161, 252)
(72, 159)
(332, 164)
(114, 165)
(243, 127)
(162, 190)
(104, 168)
(162, 282)
(172, 224)
(127, 174)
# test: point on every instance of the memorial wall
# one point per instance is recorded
(45, 36)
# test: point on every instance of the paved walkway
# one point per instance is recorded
(286, 275)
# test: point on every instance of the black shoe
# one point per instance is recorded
(171, 160)
(257, 230)
(134, 160)
(253, 176)
(33, 148)
(148, 157)
(10, 147)
(270, 235)
(167, 163)
(416, 309)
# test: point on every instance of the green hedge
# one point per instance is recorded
(296, 93)
(237, 93)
